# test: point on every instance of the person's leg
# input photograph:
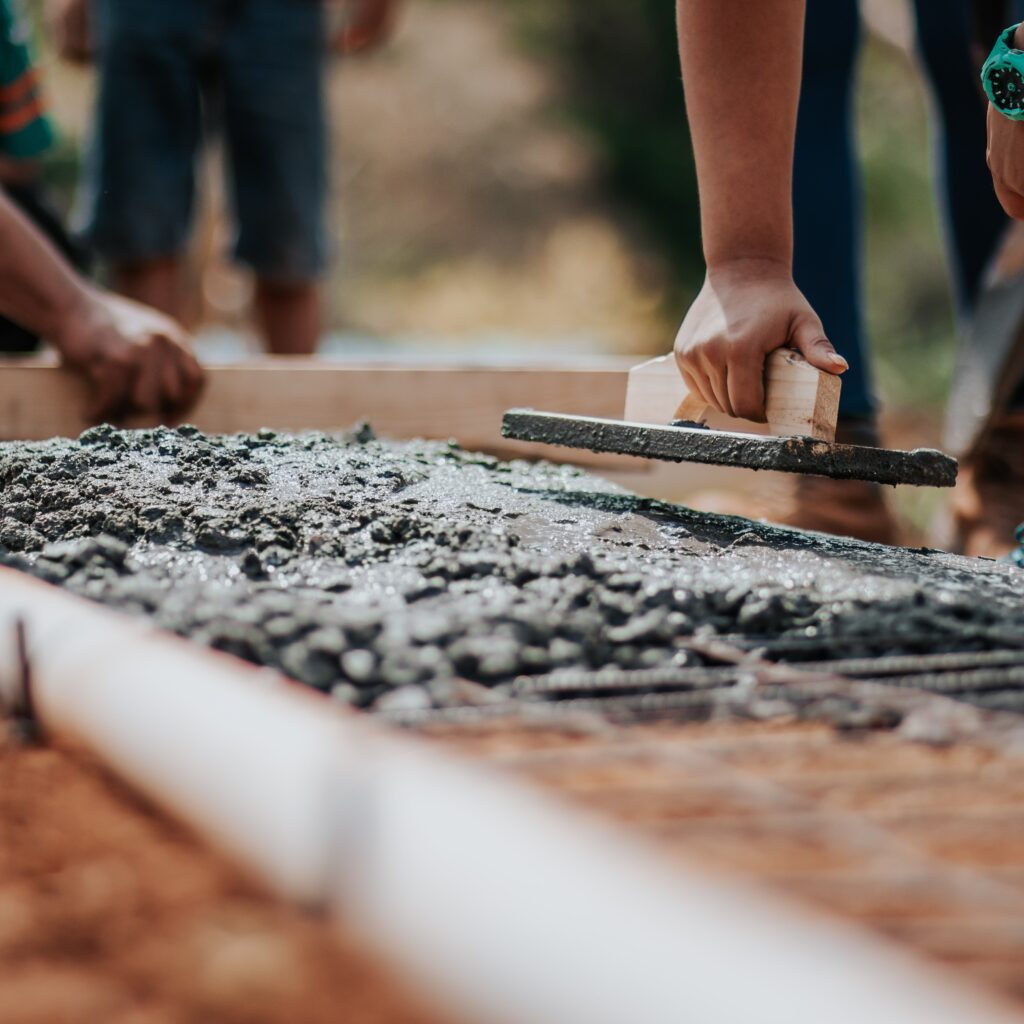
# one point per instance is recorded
(973, 219)
(827, 268)
(275, 129)
(988, 500)
(289, 315)
(826, 192)
(138, 189)
(156, 282)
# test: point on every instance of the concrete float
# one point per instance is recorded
(501, 902)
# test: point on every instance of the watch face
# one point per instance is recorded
(1007, 86)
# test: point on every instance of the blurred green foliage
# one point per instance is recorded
(620, 65)
(910, 313)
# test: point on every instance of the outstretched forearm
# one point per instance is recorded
(37, 287)
(741, 72)
(132, 358)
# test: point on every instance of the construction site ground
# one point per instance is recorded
(110, 913)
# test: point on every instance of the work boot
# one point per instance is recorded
(988, 500)
(845, 508)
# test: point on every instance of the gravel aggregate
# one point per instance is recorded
(382, 571)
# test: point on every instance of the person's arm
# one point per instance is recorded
(134, 359)
(1006, 153)
(741, 72)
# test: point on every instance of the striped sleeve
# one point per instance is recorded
(25, 128)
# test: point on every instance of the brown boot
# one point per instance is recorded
(846, 508)
(988, 500)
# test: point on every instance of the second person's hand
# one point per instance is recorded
(747, 309)
(1005, 156)
(134, 359)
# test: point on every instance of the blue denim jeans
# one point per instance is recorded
(170, 71)
(827, 202)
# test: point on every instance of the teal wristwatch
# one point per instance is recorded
(1003, 76)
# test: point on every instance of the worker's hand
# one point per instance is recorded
(71, 26)
(1006, 161)
(368, 24)
(135, 359)
(747, 309)
(1005, 154)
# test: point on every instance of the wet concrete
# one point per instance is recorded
(383, 572)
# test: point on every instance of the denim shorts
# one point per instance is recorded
(173, 72)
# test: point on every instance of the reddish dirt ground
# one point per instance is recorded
(111, 915)
(922, 844)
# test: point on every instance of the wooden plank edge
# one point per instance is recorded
(39, 400)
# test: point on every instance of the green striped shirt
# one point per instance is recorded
(25, 128)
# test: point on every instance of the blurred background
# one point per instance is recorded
(517, 173)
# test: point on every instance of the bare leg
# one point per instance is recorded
(157, 283)
(289, 316)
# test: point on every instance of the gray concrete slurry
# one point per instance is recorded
(364, 567)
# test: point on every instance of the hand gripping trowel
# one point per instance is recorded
(663, 421)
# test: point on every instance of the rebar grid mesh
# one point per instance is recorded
(923, 844)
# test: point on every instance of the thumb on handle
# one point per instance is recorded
(808, 338)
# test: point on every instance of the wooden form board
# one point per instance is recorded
(801, 401)
(39, 400)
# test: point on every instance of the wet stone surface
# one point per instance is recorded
(383, 572)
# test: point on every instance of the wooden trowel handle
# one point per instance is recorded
(800, 400)
(692, 409)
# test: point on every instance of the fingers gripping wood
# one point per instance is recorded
(801, 400)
